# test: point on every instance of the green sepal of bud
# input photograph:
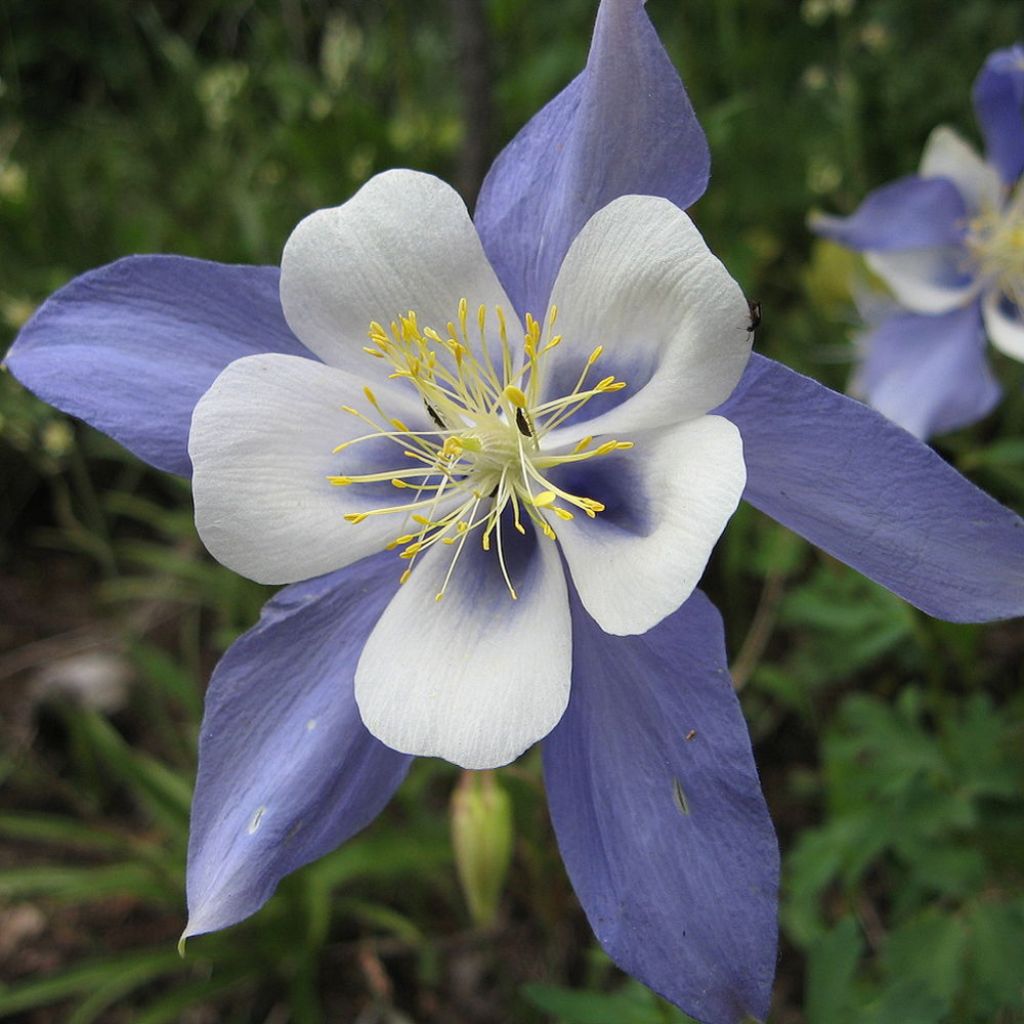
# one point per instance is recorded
(482, 836)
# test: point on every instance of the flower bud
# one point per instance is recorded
(481, 818)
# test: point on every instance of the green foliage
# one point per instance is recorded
(911, 865)
(632, 1004)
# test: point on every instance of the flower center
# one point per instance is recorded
(485, 452)
(996, 242)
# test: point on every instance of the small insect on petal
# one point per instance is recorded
(755, 316)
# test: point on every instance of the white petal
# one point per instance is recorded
(947, 155)
(261, 448)
(641, 559)
(403, 242)
(640, 281)
(476, 677)
(931, 280)
(1004, 331)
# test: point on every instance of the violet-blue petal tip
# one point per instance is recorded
(287, 770)
(658, 811)
(866, 491)
(131, 347)
(999, 108)
(624, 126)
(906, 214)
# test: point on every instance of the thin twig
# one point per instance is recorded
(761, 629)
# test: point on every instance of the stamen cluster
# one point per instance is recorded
(996, 243)
(485, 453)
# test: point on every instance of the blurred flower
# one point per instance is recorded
(651, 782)
(13, 181)
(949, 242)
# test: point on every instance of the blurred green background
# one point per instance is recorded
(890, 745)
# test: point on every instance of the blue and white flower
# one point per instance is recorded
(608, 437)
(949, 243)
(465, 441)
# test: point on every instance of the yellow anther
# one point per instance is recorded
(452, 448)
(404, 578)
(350, 410)
(515, 396)
(482, 452)
(623, 446)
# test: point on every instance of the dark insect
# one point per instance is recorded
(755, 316)
(523, 423)
(435, 416)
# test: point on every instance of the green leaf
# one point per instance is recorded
(997, 938)
(633, 1004)
(84, 978)
(88, 884)
(831, 972)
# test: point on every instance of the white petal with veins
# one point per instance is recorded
(642, 560)
(640, 281)
(403, 242)
(476, 677)
(261, 448)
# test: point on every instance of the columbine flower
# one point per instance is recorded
(651, 784)
(949, 242)
(465, 442)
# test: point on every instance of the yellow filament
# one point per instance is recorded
(484, 452)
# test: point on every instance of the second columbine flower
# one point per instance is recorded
(949, 243)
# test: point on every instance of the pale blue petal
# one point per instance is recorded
(287, 771)
(624, 126)
(929, 374)
(999, 107)
(843, 476)
(659, 815)
(131, 347)
(911, 213)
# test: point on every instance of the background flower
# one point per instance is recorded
(949, 242)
